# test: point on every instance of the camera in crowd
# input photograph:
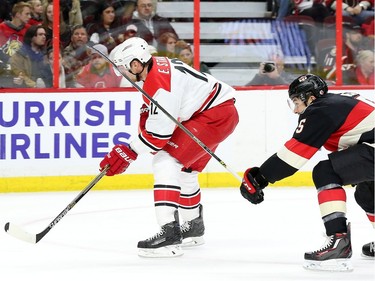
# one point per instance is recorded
(269, 67)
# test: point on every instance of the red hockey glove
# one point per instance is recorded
(143, 117)
(252, 184)
(119, 159)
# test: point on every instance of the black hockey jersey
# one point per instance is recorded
(333, 121)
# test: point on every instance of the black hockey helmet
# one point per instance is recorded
(306, 85)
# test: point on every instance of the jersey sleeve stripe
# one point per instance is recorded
(154, 141)
(166, 137)
(295, 153)
(304, 150)
(291, 158)
(147, 143)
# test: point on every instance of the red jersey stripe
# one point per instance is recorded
(356, 116)
(301, 149)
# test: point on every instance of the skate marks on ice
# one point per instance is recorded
(98, 239)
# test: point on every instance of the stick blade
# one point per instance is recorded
(19, 233)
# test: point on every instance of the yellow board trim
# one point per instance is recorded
(129, 181)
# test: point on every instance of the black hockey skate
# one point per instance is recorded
(368, 250)
(334, 254)
(165, 243)
(193, 231)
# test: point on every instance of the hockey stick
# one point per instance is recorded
(182, 127)
(21, 234)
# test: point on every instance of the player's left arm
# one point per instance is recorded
(257, 178)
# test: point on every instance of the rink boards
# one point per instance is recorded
(55, 141)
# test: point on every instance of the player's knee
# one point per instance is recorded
(364, 196)
(166, 169)
(324, 175)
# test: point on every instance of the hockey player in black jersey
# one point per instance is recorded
(341, 123)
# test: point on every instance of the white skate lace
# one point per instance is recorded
(157, 235)
(185, 227)
(327, 244)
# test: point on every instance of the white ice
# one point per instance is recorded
(97, 239)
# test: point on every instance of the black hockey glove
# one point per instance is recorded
(252, 184)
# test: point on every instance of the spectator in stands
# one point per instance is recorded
(74, 13)
(124, 11)
(48, 26)
(315, 9)
(284, 8)
(62, 79)
(12, 32)
(153, 51)
(125, 82)
(5, 11)
(359, 10)
(28, 64)
(76, 55)
(130, 31)
(368, 28)
(98, 73)
(106, 28)
(363, 72)
(185, 53)
(150, 25)
(354, 42)
(36, 12)
(272, 72)
(167, 45)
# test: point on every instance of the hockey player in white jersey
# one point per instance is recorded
(205, 106)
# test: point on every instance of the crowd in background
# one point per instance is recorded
(26, 32)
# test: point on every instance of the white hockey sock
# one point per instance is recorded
(164, 214)
(189, 214)
(166, 187)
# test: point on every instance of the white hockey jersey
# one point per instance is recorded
(182, 91)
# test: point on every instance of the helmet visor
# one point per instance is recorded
(296, 105)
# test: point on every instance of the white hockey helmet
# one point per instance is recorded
(134, 48)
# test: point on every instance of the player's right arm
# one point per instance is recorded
(156, 128)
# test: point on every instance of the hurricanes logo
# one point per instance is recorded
(11, 46)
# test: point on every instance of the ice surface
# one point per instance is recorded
(97, 239)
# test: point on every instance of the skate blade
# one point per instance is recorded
(163, 252)
(329, 265)
(192, 242)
